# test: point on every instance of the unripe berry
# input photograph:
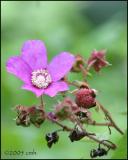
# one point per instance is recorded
(85, 98)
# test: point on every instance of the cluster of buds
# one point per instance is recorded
(64, 109)
(97, 60)
(68, 108)
(32, 115)
(76, 110)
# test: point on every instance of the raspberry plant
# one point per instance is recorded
(42, 78)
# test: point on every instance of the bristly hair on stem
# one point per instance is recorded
(42, 102)
(105, 111)
(89, 135)
(107, 114)
(76, 111)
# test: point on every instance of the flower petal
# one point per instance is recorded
(17, 66)
(60, 65)
(56, 87)
(35, 90)
(35, 54)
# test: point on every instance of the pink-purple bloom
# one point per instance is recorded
(33, 69)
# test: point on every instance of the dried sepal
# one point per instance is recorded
(29, 115)
(51, 138)
(76, 135)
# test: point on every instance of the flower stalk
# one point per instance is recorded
(89, 135)
(42, 102)
(41, 77)
(107, 114)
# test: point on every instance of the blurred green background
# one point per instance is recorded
(77, 27)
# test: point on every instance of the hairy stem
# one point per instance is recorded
(71, 83)
(77, 84)
(42, 103)
(84, 71)
(112, 146)
(65, 128)
(108, 116)
(89, 135)
(94, 123)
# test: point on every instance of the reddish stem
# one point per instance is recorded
(89, 135)
(108, 115)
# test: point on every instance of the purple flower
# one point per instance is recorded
(39, 76)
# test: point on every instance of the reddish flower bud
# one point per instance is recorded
(37, 115)
(64, 109)
(78, 61)
(85, 98)
(62, 112)
(97, 60)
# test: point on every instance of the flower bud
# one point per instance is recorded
(37, 115)
(85, 98)
(63, 112)
(97, 60)
(64, 109)
(78, 61)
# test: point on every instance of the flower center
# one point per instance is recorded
(41, 78)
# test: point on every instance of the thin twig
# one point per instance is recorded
(107, 114)
(89, 135)
(77, 84)
(72, 83)
(42, 103)
(65, 128)
(84, 71)
(94, 123)
(112, 146)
